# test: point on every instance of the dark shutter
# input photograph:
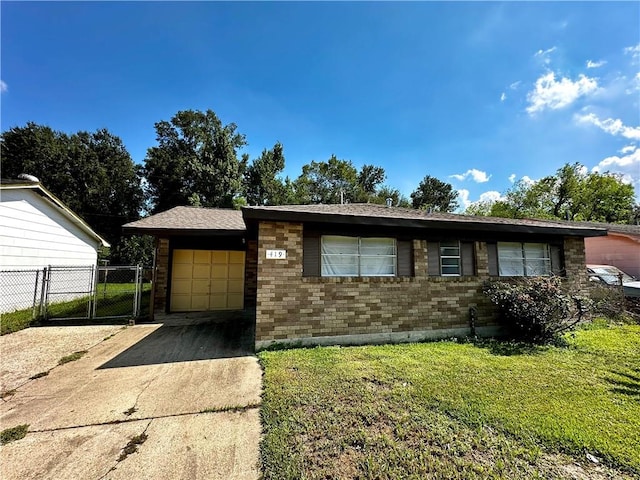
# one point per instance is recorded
(492, 254)
(433, 258)
(311, 256)
(467, 258)
(405, 258)
(557, 266)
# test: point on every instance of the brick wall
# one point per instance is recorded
(161, 274)
(575, 264)
(290, 306)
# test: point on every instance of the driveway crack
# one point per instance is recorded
(130, 448)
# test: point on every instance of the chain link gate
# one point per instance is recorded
(76, 293)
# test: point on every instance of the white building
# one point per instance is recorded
(38, 230)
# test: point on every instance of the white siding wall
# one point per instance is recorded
(33, 233)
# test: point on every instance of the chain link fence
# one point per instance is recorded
(71, 293)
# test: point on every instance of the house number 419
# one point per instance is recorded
(277, 254)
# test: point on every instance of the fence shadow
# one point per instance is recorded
(626, 383)
(185, 343)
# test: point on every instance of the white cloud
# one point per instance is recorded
(478, 176)
(490, 196)
(634, 51)
(512, 177)
(3, 87)
(527, 180)
(545, 54)
(553, 94)
(515, 85)
(463, 195)
(628, 166)
(609, 125)
(628, 149)
(503, 97)
(591, 64)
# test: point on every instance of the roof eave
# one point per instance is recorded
(434, 223)
(172, 232)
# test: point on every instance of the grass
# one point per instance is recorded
(113, 300)
(132, 446)
(455, 410)
(73, 357)
(14, 433)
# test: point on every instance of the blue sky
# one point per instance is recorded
(476, 94)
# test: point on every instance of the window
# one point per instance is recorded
(517, 259)
(358, 257)
(450, 258)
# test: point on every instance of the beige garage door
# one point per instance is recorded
(204, 280)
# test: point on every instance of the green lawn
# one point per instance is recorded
(455, 410)
(113, 300)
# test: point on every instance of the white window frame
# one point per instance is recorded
(359, 256)
(525, 259)
(451, 244)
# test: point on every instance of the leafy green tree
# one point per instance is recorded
(435, 194)
(92, 173)
(572, 193)
(369, 180)
(195, 162)
(262, 184)
(332, 181)
(384, 192)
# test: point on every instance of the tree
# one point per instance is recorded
(572, 193)
(92, 173)
(262, 185)
(369, 180)
(384, 192)
(333, 181)
(195, 162)
(436, 194)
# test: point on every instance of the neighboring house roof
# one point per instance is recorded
(630, 231)
(381, 215)
(38, 189)
(190, 221)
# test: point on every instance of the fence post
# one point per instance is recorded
(44, 296)
(35, 296)
(93, 298)
(136, 296)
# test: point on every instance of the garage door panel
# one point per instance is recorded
(183, 256)
(200, 287)
(181, 303)
(182, 271)
(236, 286)
(219, 286)
(201, 271)
(235, 301)
(181, 287)
(219, 271)
(218, 301)
(236, 271)
(199, 302)
(236, 257)
(207, 280)
(202, 256)
(218, 256)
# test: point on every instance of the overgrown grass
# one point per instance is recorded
(113, 300)
(14, 433)
(454, 410)
(73, 357)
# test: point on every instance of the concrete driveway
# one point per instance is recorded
(184, 394)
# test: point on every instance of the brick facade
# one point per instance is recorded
(291, 307)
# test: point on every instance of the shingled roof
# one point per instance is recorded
(381, 215)
(216, 221)
(190, 220)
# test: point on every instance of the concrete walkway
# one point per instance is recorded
(187, 389)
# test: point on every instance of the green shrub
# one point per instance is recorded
(536, 309)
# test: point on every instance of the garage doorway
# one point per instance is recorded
(203, 280)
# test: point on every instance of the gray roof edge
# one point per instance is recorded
(258, 213)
